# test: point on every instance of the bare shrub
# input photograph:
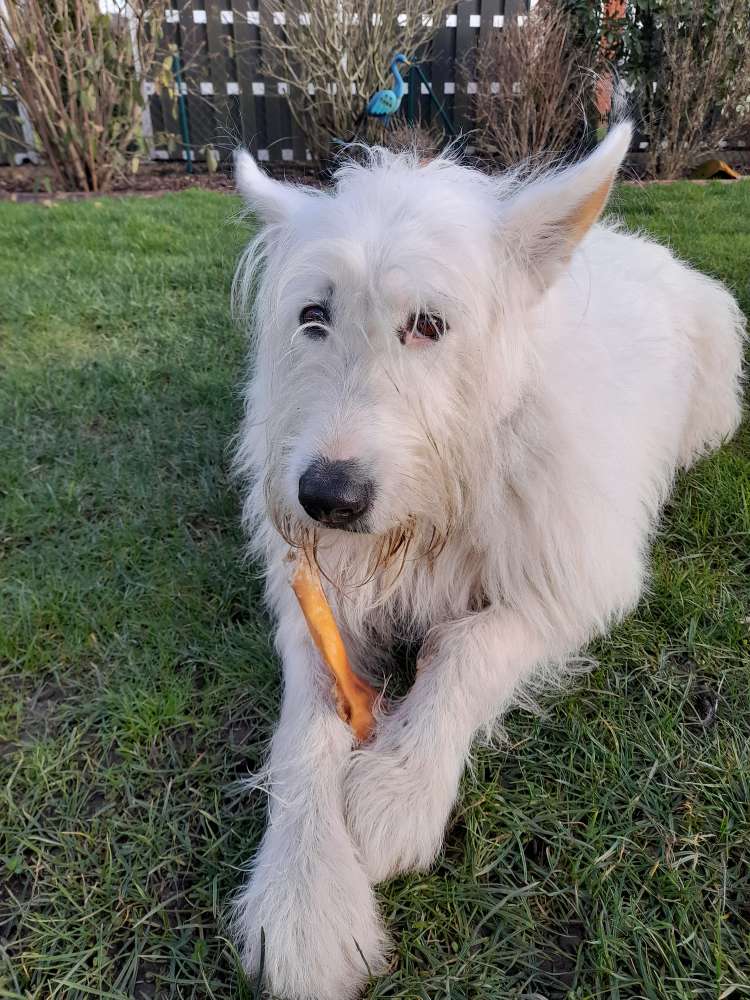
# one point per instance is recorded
(333, 54)
(535, 81)
(78, 72)
(694, 88)
(421, 139)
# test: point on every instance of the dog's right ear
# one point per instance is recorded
(271, 200)
(550, 216)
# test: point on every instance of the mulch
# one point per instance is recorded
(36, 183)
(32, 183)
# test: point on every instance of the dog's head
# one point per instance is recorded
(391, 323)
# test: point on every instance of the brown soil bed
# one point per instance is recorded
(36, 183)
(29, 182)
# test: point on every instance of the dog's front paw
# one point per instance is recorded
(321, 930)
(398, 800)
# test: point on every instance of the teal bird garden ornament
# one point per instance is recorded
(386, 102)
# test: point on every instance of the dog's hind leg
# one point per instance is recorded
(308, 892)
(401, 787)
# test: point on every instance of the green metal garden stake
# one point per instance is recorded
(411, 106)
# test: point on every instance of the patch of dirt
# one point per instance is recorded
(8, 747)
(705, 705)
(702, 708)
(150, 976)
(536, 851)
(40, 711)
(241, 733)
(202, 527)
(558, 961)
(152, 178)
(35, 183)
(15, 882)
(30, 182)
(95, 804)
(112, 758)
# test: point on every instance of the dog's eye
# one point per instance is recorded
(421, 328)
(315, 318)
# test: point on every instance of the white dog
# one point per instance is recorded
(473, 400)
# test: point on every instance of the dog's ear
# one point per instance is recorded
(271, 200)
(549, 217)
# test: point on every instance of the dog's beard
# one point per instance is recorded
(384, 553)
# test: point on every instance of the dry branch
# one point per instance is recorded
(535, 81)
(78, 72)
(334, 54)
(695, 96)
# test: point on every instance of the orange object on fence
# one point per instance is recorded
(612, 10)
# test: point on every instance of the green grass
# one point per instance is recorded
(602, 852)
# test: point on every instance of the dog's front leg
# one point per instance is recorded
(308, 892)
(401, 787)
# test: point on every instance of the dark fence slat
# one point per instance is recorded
(443, 67)
(275, 133)
(294, 146)
(489, 11)
(490, 15)
(515, 8)
(216, 56)
(246, 59)
(466, 40)
(11, 133)
(193, 47)
(163, 104)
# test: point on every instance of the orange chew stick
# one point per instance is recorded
(354, 697)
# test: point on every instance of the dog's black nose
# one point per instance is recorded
(337, 494)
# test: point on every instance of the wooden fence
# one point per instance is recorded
(228, 99)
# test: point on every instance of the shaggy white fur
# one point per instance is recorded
(518, 464)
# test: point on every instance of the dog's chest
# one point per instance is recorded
(425, 591)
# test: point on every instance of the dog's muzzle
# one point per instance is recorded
(337, 494)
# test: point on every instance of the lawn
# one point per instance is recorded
(602, 851)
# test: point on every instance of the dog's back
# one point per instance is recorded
(641, 354)
(678, 333)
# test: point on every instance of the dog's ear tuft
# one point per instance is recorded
(550, 216)
(271, 200)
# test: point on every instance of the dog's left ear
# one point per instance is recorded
(549, 217)
(271, 200)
